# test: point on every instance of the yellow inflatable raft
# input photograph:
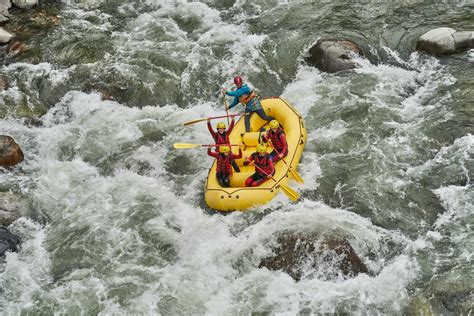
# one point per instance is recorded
(239, 197)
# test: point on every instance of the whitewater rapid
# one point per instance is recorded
(116, 222)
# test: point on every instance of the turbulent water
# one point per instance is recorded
(117, 223)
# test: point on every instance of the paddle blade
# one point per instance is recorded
(296, 176)
(194, 121)
(185, 146)
(290, 193)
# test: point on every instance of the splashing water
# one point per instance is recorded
(116, 222)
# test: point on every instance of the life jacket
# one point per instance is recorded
(262, 163)
(246, 98)
(223, 164)
(222, 138)
(276, 141)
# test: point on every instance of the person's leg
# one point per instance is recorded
(250, 182)
(264, 116)
(259, 182)
(218, 177)
(226, 180)
(274, 156)
(257, 179)
(221, 179)
(263, 178)
(247, 120)
(254, 184)
(235, 165)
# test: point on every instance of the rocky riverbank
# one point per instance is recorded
(6, 5)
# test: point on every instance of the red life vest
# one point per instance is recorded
(222, 138)
(223, 164)
(262, 163)
(276, 141)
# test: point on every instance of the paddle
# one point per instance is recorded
(211, 118)
(187, 146)
(295, 174)
(292, 194)
(226, 109)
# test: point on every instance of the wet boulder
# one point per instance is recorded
(445, 40)
(8, 241)
(25, 4)
(464, 40)
(10, 208)
(419, 305)
(10, 153)
(314, 257)
(452, 296)
(331, 55)
(4, 6)
(444, 296)
(5, 37)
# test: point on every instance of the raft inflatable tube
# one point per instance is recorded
(238, 196)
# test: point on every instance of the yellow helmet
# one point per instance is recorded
(261, 148)
(224, 149)
(220, 125)
(274, 124)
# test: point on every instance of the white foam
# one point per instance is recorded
(156, 241)
(302, 92)
(54, 74)
(470, 55)
(457, 200)
(330, 132)
(459, 153)
(26, 273)
(426, 76)
(276, 292)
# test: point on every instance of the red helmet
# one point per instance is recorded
(238, 80)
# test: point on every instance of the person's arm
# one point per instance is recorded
(283, 140)
(211, 153)
(234, 102)
(272, 166)
(209, 127)
(265, 137)
(248, 160)
(239, 155)
(239, 92)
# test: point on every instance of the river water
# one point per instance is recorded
(116, 221)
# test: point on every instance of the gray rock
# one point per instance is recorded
(463, 40)
(4, 6)
(303, 256)
(451, 296)
(5, 37)
(445, 40)
(10, 153)
(437, 41)
(8, 241)
(331, 55)
(10, 208)
(25, 4)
